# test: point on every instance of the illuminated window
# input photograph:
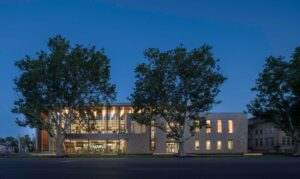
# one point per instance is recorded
(219, 127)
(208, 145)
(219, 145)
(197, 145)
(152, 136)
(208, 126)
(172, 147)
(230, 126)
(197, 126)
(230, 144)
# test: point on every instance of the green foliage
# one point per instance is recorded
(278, 94)
(66, 83)
(176, 85)
(28, 142)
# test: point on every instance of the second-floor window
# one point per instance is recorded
(208, 126)
(219, 126)
(230, 126)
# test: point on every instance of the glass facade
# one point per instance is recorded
(94, 146)
(108, 121)
(112, 120)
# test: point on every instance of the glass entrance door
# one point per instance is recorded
(172, 147)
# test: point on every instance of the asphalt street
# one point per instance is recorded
(143, 168)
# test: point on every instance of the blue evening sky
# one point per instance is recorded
(242, 33)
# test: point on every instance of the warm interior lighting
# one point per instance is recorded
(230, 126)
(197, 128)
(230, 144)
(208, 145)
(122, 112)
(103, 113)
(197, 145)
(219, 127)
(208, 126)
(112, 113)
(66, 111)
(219, 145)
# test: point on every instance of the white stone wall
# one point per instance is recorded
(140, 143)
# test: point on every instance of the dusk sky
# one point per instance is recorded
(242, 34)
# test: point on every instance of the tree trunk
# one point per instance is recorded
(181, 149)
(60, 151)
(297, 148)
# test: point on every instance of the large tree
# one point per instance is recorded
(27, 143)
(174, 87)
(61, 87)
(278, 95)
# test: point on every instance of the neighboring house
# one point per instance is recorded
(6, 148)
(117, 133)
(264, 137)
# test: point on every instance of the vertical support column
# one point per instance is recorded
(119, 119)
(70, 146)
(89, 149)
(49, 145)
(42, 142)
(119, 128)
(36, 139)
(106, 146)
(106, 120)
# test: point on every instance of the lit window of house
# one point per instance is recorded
(230, 126)
(197, 145)
(219, 127)
(230, 144)
(219, 145)
(208, 145)
(208, 126)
